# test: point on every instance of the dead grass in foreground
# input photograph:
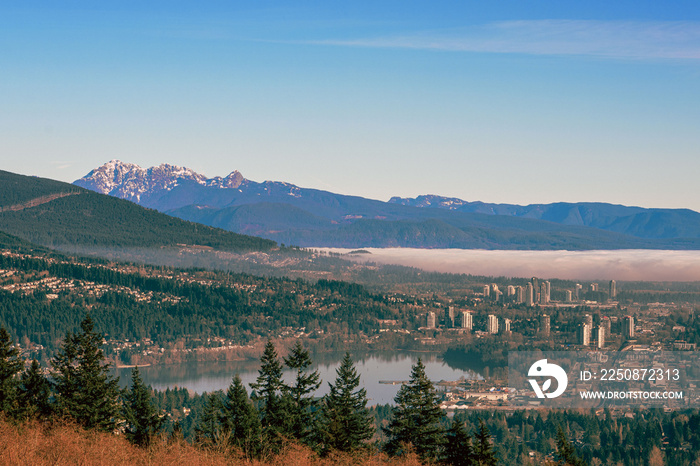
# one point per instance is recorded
(36, 444)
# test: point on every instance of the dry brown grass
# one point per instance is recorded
(37, 444)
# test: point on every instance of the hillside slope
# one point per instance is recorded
(55, 214)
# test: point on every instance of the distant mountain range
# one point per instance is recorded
(634, 221)
(308, 217)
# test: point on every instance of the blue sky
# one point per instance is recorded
(518, 102)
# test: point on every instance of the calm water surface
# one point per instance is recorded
(373, 368)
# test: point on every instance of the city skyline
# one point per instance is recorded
(512, 103)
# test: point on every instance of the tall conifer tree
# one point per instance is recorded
(345, 421)
(302, 403)
(268, 394)
(208, 430)
(34, 392)
(10, 365)
(483, 451)
(458, 449)
(85, 390)
(239, 419)
(142, 419)
(416, 417)
(566, 454)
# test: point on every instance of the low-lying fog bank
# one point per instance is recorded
(629, 265)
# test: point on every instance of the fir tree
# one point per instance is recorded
(345, 421)
(566, 455)
(84, 389)
(142, 420)
(268, 387)
(34, 392)
(208, 429)
(239, 419)
(302, 403)
(458, 449)
(416, 417)
(176, 435)
(10, 366)
(483, 451)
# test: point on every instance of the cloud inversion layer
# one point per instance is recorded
(628, 265)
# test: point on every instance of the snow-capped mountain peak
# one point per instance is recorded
(132, 182)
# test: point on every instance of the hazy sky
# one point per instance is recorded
(510, 101)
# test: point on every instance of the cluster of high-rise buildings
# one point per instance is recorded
(535, 291)
(587, 334)
(540, 292)
(465, 320)
(452, 318)
(457, 319)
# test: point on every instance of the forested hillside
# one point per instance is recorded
(17, 189)
(16, 244)
(42, 297)
(62, 215)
